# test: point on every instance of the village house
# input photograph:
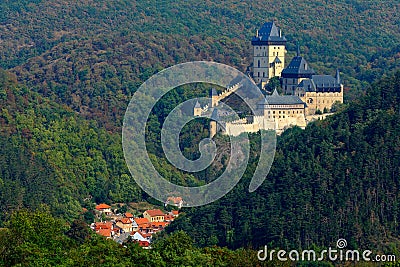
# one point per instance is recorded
(104, 208)
(143, 225)
(154, 215)
(125, 224)
(176, 201)
(140, 230)
(129, 215)
(106, 229)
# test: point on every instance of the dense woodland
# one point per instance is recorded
(93, 55)
(337, 178)
(36, 238)
(68, 71)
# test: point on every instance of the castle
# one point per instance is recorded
(306, 95)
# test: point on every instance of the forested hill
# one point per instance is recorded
(49, 155)
(72, 66)
(339, 178)
(92, 55)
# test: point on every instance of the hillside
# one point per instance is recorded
(68, 71)
(93, 55)
(50, 155)
(339, 178)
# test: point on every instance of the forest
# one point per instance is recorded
(36, 238)
(68, 71)
(337, 178)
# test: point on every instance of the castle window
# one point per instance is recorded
(258, 63)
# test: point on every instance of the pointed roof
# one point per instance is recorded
(298, 67)
(128, 215)
(138, 236)
(269, 32)
(213, 92)
(337, 76)
(214, 115)
(277, 60)
(197, 105)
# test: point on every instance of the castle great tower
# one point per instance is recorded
(268, 53)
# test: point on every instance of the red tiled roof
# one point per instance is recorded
(125, 220)
(102, 206)
(128, 215)
(155, 212)
(103, 225)
(175, 200)
(104, 232)
(140, 221)
(175, 212)
(144, 243)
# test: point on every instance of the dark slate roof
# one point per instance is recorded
(277, 60)
(324, 81)
(307, 85)
(214, 115)
(276, 99)
(320, 83)
(213, 92)
(197, 105)
(299, 67)
(269, 32)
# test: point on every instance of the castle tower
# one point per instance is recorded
(213, 123)
(214, 97)
(268, 53)
(197, 109)
(297, 70)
